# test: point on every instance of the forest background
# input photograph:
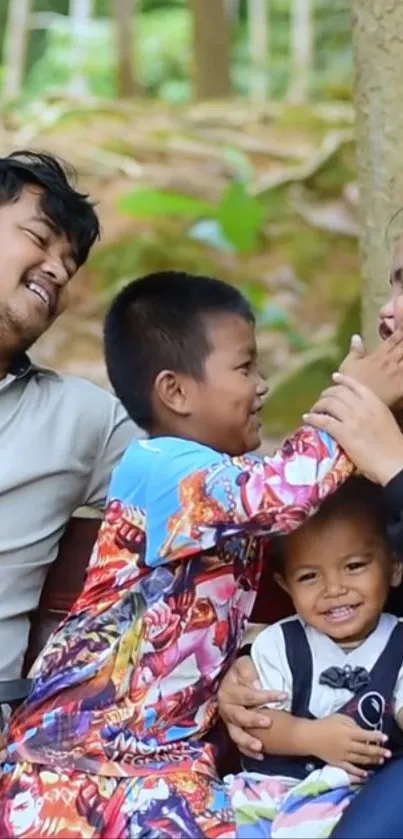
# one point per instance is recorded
(219, 136)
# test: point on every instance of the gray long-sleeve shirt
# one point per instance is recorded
(60, 438)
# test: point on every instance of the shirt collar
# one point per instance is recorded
(21, 366)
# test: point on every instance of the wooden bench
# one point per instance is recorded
(63, 583)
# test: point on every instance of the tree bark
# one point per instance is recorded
(15, 47)
(233, 9)
(125, 11)
(301, 50)
(212, 49)
(80, 14)
(258, 37)
(378, 46)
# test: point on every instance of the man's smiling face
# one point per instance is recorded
(36, 264)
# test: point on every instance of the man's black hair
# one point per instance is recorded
(69, 211)
(357, 496)
(159, 323)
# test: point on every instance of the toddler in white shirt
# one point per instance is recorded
(339, 659)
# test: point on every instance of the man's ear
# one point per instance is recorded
(171, 390)
(397, 573)
(279, 579)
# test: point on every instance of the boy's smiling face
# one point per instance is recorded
(222, 409)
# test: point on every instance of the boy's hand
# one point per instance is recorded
(239, 697)
(381, 370)
(362, 425)
(339, 741)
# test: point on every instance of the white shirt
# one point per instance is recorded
(270, 659)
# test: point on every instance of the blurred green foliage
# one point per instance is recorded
(300, 276)
(163, 49)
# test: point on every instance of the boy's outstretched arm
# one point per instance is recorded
(201, 497)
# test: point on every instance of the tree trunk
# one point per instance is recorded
(301, 44)
(15, 47)
(232, 8)
(258, 32)
(80, 13)
(125, 11)
(377, 38)
(212, 49)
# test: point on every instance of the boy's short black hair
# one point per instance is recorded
(157, 323)
(356, 496)
(68, 210)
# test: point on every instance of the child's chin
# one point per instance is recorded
(249, 444)
(255, 442)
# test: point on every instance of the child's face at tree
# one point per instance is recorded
(391, 314)
(338, 573)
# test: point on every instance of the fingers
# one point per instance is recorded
(334, 402)
(354, 771)
(244, 669)
(248, 745)
(247, 697)
(337, 391)
(243, 717)
(343, 401)
(357, 346)
(324, 422)
(275, 696)
(366, 760)
(362, 735)
(353, 385)
(234, 692)
(345, 394)
(366, 753)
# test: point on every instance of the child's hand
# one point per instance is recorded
(339, 741)
(381, 370)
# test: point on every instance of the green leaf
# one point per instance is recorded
(241, 217)
(208, 231)
(152, 203)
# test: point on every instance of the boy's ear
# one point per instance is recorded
(397, 573)
(171, 391)
(279, 579)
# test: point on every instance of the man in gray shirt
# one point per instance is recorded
(60, 436)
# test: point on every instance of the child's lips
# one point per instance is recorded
(339, 614)
(385, 331)
(256, 418)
